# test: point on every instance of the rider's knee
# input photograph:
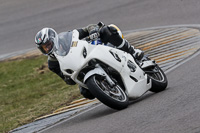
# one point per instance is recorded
(111, 34)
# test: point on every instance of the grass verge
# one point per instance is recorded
(29, 90)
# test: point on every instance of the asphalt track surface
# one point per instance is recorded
(22, 19)
(175, 110)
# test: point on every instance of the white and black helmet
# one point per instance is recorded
(46, 39)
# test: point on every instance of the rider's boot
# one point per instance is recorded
(136, 53)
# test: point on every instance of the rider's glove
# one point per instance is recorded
(86, 93)
(94, 36)
(94, 33)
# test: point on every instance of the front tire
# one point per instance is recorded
(114, 97)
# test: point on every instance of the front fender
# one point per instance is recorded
(97, 71)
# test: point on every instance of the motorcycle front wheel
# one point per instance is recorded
(114, 97)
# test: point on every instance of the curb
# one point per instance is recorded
(77, 104)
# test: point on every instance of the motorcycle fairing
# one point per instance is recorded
(75, 61)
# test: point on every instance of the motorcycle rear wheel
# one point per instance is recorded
(158, 78)
(114, 97)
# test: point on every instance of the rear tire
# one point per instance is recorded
(114, 97)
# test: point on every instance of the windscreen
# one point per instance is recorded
(64, 43)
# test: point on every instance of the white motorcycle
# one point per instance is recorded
(111, 75)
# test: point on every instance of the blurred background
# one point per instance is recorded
(22, 19)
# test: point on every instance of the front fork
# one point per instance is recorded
(100, 71)
(106, 76)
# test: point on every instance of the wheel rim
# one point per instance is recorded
(115, 92)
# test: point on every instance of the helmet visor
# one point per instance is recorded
(46, 47)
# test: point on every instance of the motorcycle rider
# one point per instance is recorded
(46, 39)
